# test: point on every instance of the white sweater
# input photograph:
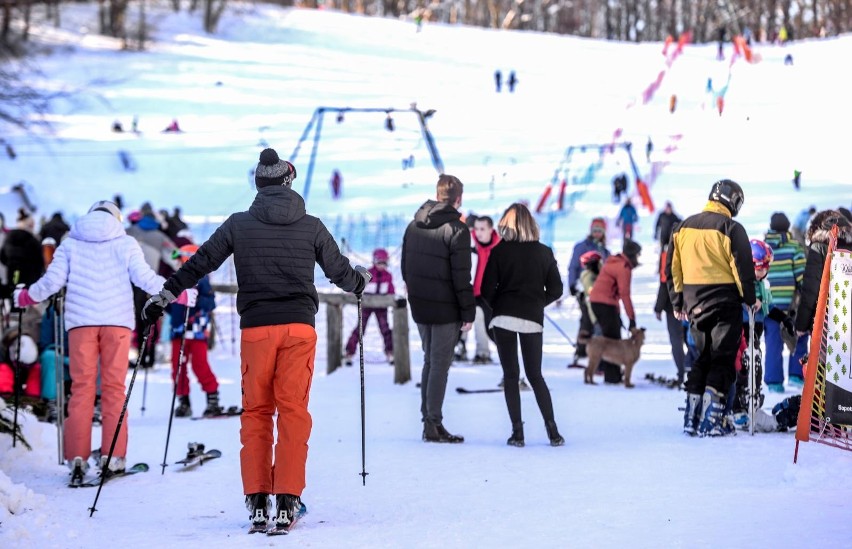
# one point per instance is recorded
(97, 263)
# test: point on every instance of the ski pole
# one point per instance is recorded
(364, 472)
(560, 330)
(59, 373)
(148, 332)
(144, 387)
(15, 376)
(17, 364)
(174, 389)
(751, 370)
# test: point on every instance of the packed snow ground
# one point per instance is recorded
(627, 476)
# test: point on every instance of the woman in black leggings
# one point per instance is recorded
(520, 280)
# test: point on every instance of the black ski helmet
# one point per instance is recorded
(728, 193)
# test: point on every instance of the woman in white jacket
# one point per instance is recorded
(97, 263)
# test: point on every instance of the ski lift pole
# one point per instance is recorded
(751, 371)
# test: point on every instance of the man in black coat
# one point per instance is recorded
(275, 246)
(665, 223)
(436, 269)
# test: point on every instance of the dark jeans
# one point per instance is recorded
(531, 350)
(676, 337)
(608, 319)
(717, 334)
(438, 343)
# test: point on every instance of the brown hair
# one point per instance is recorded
(518, 224)
(449, 188)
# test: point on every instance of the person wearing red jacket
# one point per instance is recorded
(484, 240)
(612, 286)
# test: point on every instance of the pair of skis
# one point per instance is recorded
(82, 483)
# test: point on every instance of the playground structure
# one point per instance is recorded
(316, 122)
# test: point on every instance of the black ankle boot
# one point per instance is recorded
(553, 433)
(435, 432)
(517, 438)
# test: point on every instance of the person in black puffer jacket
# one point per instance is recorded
(436, 268)
(275, 246)
(520, 280)
(817, 253)
(21, 254)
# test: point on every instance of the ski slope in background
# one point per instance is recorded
(626, 477)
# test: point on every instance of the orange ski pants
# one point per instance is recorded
(277, 364)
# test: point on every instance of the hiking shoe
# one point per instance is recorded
(482, 359)
(258, 507)
(435, 432)
(183, 409)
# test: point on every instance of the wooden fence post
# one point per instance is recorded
(334, 335)
(401, 356)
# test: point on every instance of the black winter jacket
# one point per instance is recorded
(812, 279)
(521, 279)
(275, 246)
(436, 266)
(21, 253)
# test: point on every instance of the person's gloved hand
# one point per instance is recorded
(366, 277)
(790, 326)
(22, 297)
(155, 306)
(632, 324)
(188, 297)
(573, 291)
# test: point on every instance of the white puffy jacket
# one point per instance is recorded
(97, 263)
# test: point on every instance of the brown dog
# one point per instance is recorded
(617, 351)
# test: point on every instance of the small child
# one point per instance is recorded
(738, 397)
(380, 284)
(195, 343)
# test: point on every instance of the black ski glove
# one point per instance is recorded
(632, 324)
(790, 326)
(573, 291)
(155, 306)
(362, 281)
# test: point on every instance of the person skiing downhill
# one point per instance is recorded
(96, 264)
(275, 246)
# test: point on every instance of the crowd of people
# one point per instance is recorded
(118, 277)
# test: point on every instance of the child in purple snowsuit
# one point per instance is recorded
(381, 284)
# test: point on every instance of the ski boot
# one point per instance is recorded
(194, 449)
(289, 509)
(553, 434)
(482, 359)
(712, 414)
(691, 414)
(117, 466)
(213, 408)
(389, 357)
(347, 360)
(517, 438)
(78, 467)
(258, 507)
(183, 409)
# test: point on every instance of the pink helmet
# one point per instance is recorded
(380, 255)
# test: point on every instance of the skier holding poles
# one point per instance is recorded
(275, 246)
(96, 264)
